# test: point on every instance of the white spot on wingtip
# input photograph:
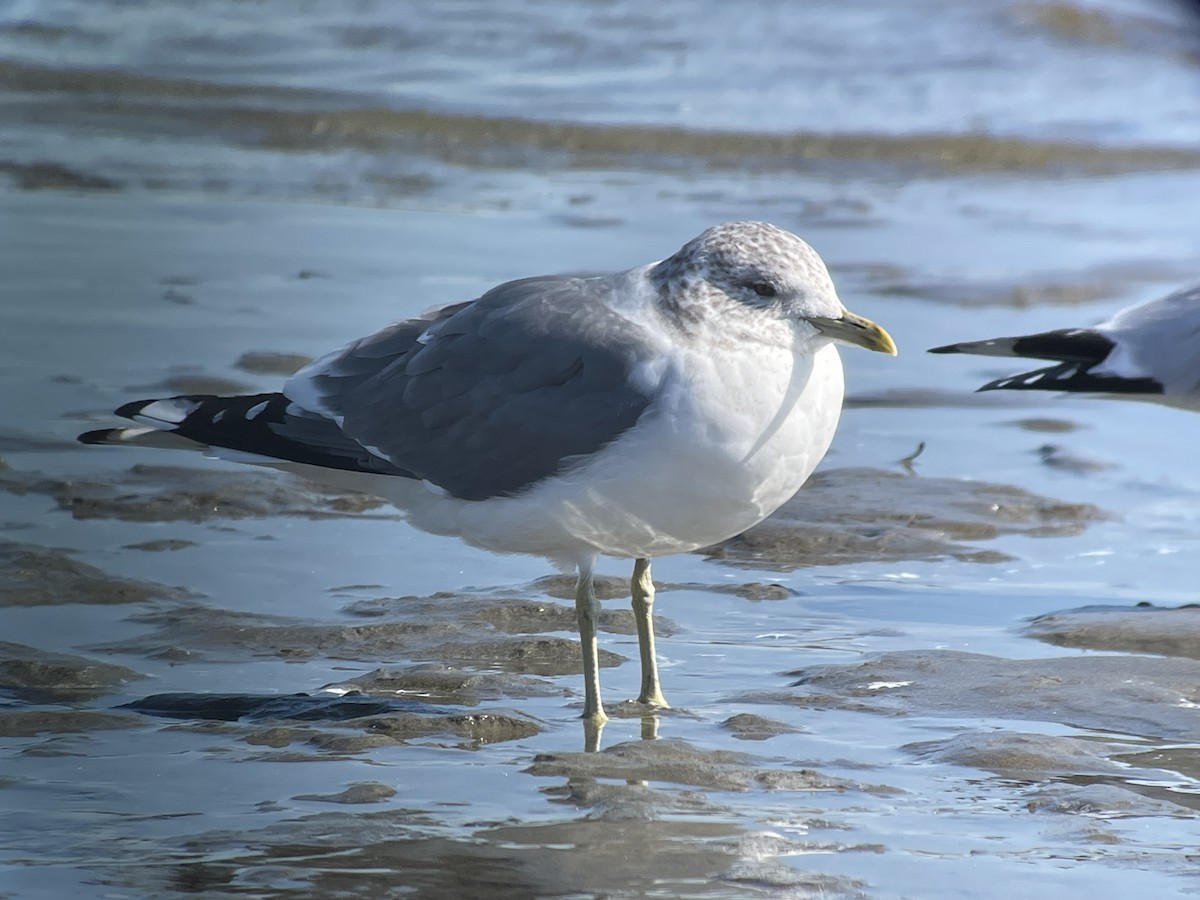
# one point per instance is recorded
(166, 412)
(256, 410)
(132, 434)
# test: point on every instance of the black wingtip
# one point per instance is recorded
(131, 409)
(948, 348)
(1074, 378)
(99, 436)
(111, 435)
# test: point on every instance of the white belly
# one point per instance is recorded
(700, 467)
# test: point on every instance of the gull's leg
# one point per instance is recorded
(587, 609)
(643, 615)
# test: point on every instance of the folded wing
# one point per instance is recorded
(481, 399)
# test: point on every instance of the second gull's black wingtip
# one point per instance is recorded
(132, 408)
(99, 436)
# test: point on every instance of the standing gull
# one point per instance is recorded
(633, 414)
(1146, 352)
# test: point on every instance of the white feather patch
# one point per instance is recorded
(171, 411)
(130, 435)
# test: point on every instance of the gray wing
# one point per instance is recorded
(1162, 340)
(486, 398)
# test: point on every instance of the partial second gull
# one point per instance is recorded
(1145, 352)
(635, 414)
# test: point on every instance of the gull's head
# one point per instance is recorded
(765, 269)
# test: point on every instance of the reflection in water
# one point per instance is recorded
(335, 853)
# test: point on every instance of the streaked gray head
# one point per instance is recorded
(751, 263)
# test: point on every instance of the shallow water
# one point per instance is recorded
(916, 680)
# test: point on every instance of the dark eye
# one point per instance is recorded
(763, 288)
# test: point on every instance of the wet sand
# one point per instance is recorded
(490, 668)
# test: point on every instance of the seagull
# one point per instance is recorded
(633, 414)
(1146, 352)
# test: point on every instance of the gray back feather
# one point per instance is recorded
(486, 398)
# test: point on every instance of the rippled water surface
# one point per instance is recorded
(973, 674)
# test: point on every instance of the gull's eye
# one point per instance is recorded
(763, 288)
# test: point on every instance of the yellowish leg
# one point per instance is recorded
(587, 609)
(643, 615)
